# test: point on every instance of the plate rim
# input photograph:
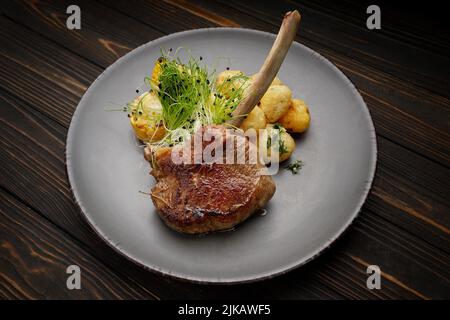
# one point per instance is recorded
(233, 280)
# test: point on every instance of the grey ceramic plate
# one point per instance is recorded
(308, 212)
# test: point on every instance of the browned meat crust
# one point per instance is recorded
(200, 198)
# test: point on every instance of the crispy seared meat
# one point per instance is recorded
(199, 198)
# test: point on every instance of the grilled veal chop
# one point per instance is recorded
(200, 198)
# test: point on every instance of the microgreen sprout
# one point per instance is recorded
(188, 96)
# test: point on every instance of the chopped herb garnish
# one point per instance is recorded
(295, 166)
(282, 148)
(269, 142)
(278, 126)
(190, 97)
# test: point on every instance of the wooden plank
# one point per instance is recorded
(166, 17)
(408, 262)
(413, 23)
(35, 255)
(101, 40)
(413, 63)
(28, 70)
(46, 171)
(411, 192)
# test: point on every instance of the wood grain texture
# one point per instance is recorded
(35, 255)
(400, 22)
(406, 61)
(403, 227)
(104, 37)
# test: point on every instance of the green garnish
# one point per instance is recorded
(282, 148)
(189, 98)
(183, 91)
(278, 126)
(295, 166)
(229, 94)
(281, 145)
(269, 142)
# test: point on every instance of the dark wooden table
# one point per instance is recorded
(401, 71)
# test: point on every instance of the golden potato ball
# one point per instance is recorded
(228, 80)
(145, 117)
(275, 102)
(288, 146)
(157, 70)
(256, 119)
(285, 148)
(145, 130)
(227, 74)
(297, 118)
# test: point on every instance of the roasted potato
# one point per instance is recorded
(255, 119)
(227, 74)
(276, 82)
(275, 102)
(157, 69)
(284, 148)
(145, 115)
(228, 80)
(297, 118)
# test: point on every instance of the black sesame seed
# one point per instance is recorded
(170, 49)
(201, 58)
(259, 103)
(207, 82)
(228, 68)
(198, 81)
(129, 115)
(137, 90)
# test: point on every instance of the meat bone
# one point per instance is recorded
(270, 67)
